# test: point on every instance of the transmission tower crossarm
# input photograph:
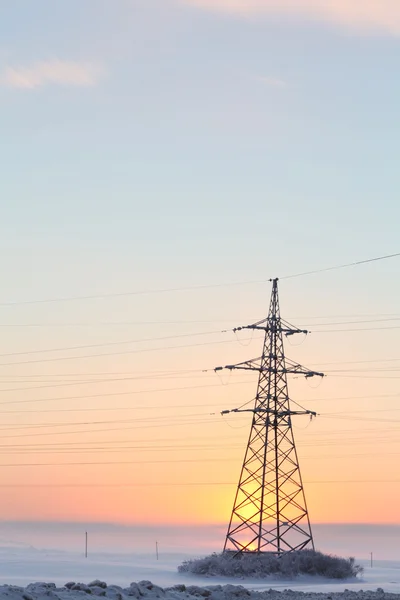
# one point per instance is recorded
(248, 365)
(256, 364)
(281, 413)
(313, 374)
(265, 325)
(299, 370)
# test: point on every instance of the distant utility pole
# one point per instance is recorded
(270, 511)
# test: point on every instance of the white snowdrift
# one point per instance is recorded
(145, 590)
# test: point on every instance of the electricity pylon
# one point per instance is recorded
(270, 511)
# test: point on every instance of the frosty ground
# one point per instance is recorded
(145, 590)
(22, 566)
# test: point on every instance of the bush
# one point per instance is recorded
(252, 564)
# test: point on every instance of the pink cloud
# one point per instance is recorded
(56, 72)
(362, 15)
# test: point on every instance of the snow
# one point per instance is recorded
(20, 566)
(146, 590)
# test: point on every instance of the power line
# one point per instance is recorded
(107, 447)
(144, 350)
(176, 375)
(119, 343)
(318, 441)
(158, 373)
(126, 450)
(61, 358)
(112, 394)
(355, 481)
(334, 399)
(337, 434)
(189, 288)
(160, 390)
(164, 425)
(356, 329)
(119, 323)
(390, 369)
(96, 381)
(107, 409)
(125, 462)
(351, 412)
(352, 322)
(112, 485)
(330, 437)
(358, 315)
(354, 362)
(351, 418)
(148, 373)
(178, 484)
(156, 339)
(343, 266)
(126, 294)
(19, 426)
(64, 447)
(394, 317)
(35, 445)
(337, 376)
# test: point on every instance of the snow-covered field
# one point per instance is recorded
(21, 566)
(120, 555)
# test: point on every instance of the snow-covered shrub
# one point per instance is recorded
(252, 564)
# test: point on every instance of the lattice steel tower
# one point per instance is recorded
(270, 511)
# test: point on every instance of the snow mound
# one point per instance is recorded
(146, 590)
(264, 565)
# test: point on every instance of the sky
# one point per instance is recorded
(161, 160)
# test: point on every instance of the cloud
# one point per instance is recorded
(271, 81)
(368, 16)
(56, 72)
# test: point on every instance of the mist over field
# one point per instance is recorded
(343, 539)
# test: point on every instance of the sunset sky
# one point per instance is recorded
(161, 160)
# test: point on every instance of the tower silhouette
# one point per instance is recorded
(270, 511)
